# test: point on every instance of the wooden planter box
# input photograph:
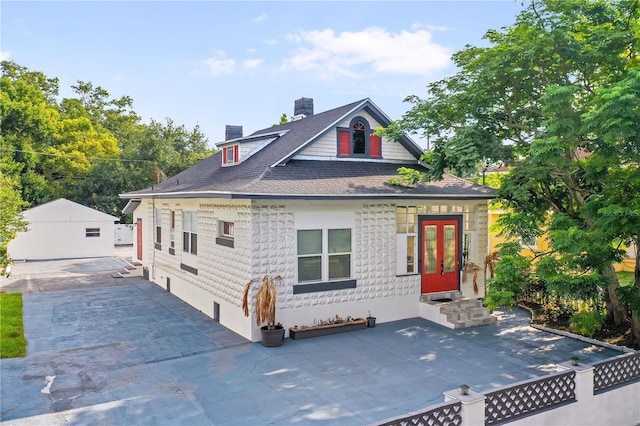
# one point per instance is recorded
(325, 330)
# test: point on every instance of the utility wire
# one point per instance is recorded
(71, 155)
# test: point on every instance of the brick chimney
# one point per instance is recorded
(303, 106)
(232, 132)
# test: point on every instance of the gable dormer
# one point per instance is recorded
(236, 148)
(358, 140)
(231, 155)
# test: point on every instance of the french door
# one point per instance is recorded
(440, 254)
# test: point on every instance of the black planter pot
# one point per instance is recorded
(371, 321)
(272, 338)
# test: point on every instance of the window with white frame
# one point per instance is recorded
(172, 230)
(226, 233)
(190, 232)
(469, 218)
(158, 233)
(227, 229)
(406, 240)
(324, 255)
(530, 242)
(230, 155)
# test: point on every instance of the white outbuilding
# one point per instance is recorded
(63, 229)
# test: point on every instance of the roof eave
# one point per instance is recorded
(251, 138)
(281, 196)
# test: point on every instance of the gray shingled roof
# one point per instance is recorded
(273, 173)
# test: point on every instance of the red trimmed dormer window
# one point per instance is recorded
(358, 140)
(230, 155)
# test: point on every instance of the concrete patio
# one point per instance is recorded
(131, 353)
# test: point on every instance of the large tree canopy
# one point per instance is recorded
(555, 96)
(88, 148)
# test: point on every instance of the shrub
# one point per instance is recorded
(495, 298)
(554, 312)
(512, 270)
(587, 323)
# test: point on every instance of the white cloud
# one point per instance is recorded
(428, 27)
(219, 64)
(260, 18)
(4, 55)
(252, 63)
(373, 50)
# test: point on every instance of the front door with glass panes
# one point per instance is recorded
(440, 253)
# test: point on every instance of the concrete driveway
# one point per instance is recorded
(127, 352)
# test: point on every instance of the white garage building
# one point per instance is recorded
(62, 229)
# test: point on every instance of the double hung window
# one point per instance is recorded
(158, 234)
(324, 255)
(406, 240)
(230, 155)
(190, 232)
(172, 230)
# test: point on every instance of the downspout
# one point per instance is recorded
(153, 230)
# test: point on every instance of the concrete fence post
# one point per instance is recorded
(472, 412)
(584, 380)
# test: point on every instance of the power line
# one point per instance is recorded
(71, 155)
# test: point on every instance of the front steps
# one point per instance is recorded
(451, 310)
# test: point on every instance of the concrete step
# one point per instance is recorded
(440, 296)
(459, 312)
(459, 305)
(475, 322)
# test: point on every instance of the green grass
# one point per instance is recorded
(625, 278)
(13, 344)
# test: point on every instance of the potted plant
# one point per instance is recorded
(265, 309)
(371, 321)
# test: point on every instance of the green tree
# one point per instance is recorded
(11, 221)
(88, 148)
(555, 97)
(29, 122)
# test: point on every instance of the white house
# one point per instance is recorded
(314, 200)
(62, 229)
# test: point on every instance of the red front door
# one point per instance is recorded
(139, 238)
(440, 250)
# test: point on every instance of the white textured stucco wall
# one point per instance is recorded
(265, 243)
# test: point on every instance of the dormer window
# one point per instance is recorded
(230, 155)
(358, 140)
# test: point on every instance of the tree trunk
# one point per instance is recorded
(635, 329)
(635, 314)
(616, 311)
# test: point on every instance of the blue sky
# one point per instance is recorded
(214, 63)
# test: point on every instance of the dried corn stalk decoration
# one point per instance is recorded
(490, 262)
(468, 268)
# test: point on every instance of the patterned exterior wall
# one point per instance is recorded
(376, 258)
(265, 242)
(223, 271)
(273, 247)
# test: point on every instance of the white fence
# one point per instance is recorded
(123, 234)
(607, 392)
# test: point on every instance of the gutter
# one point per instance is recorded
(249, 195)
